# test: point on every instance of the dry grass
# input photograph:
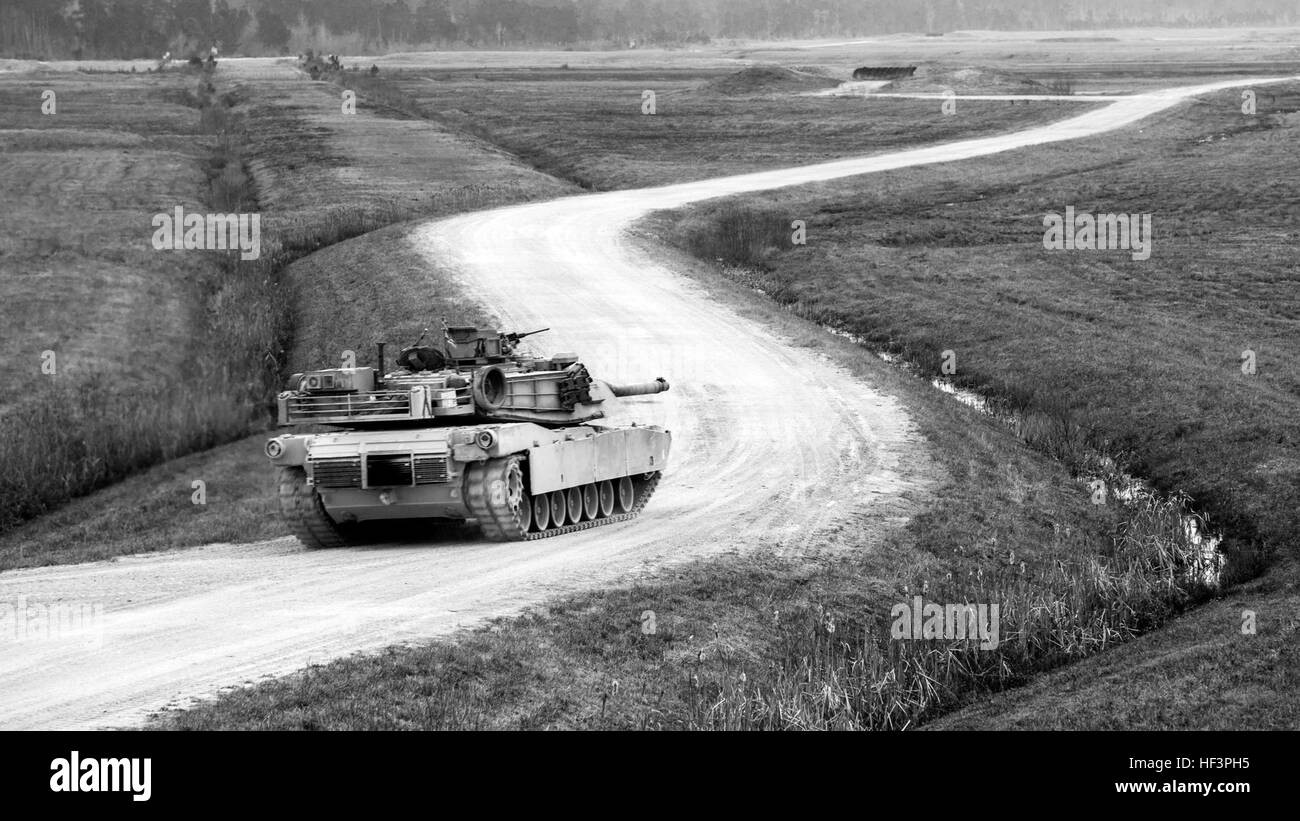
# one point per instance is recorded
(1095, 354)
(936, 259)
(1201, 671)
(587, 126)
(80, 187)
(149, 388)
(837, 670)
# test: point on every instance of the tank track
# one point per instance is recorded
(501, 523)
(305, 514)
(644, 496)
(495, 517)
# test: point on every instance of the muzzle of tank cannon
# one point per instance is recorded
(640, 388)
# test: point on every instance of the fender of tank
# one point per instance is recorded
(457, 434)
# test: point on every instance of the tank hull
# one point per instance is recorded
(519, 480)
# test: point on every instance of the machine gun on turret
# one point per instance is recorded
(511, 340)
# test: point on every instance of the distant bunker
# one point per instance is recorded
(883, 72)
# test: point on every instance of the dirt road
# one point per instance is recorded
(771, 445)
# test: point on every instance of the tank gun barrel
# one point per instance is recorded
(640, 388)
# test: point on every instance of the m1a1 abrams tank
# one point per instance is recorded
(463, 430)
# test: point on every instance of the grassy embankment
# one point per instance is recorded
(115, 354)
(200, 340)
(1141, 360)
(1096, 353)
(766, 641)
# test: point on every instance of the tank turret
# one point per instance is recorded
(474, 375)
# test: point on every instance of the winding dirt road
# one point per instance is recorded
(772, 444)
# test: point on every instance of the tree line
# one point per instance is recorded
(54, 29)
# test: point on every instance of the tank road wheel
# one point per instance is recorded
(541, 511)
(557, 508)
(605, 490)
(626, 495)
(306, 515)
(573, 503)
(494, 493)
(590, 502)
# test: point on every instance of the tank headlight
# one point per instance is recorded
(485, 439)
(274, 448)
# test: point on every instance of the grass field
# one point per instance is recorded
(578, 116)
(587, 125)
(1143, 357)
(1141, 360)
(80, 186)
(1199, 672)
(110, 341)
(320, 176)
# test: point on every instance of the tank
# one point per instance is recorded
(465, 430)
